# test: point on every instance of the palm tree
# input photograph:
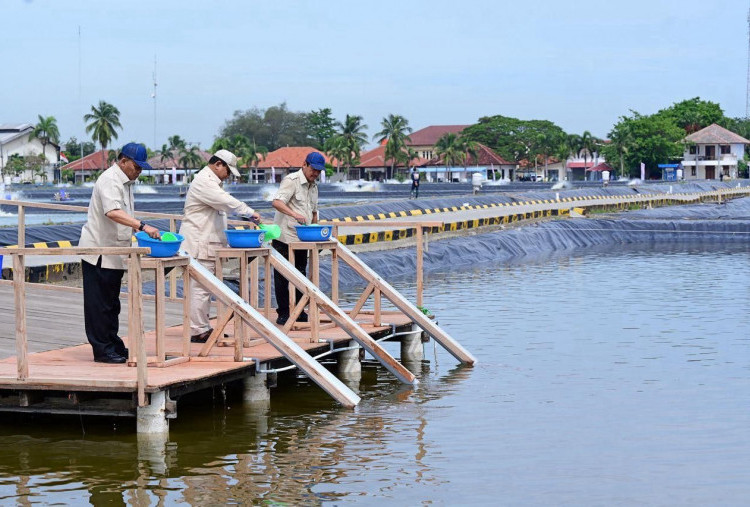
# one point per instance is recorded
(470, 149)
(251, 155)
(563, 152)
(451, 150)
(622, 141)
(190, 158)
(104, 121)
(164, 156)
(336, 148)
(588, 144)
(176, 143)
(46, 131)
(396, 129)
(353, 137)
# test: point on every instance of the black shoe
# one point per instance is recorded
(302, 317)
(111, 358)
(281, 319)
(201, 338)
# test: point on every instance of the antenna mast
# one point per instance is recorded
(153, 96)
(747, 91)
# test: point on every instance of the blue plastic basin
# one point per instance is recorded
(245, 238)
(158, 247)
(313, 232)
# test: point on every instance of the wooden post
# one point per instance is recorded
(185, 312)
(254, 282)
(173, 274)
(377, 317)
(159, 317)
(420, 265)
(267, 285)
(135, 327)
(21, 227)
(335, 276)
(19, 286)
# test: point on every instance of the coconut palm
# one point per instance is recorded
(336, 147)
(353, 137)
(251, 155)
(46, 131)
(165, 155)
(396, 130)
(104, 122)
(190, 158)
(451, 150)
(588, 145)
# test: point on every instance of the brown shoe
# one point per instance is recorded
(201, 338)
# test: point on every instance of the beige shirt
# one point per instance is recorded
(113, 190)
(302, 197)
(206, 208)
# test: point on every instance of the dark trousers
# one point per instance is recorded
(280, 284)
(415, 189)
(101, 308)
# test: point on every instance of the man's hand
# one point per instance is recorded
(153, 232)
(300, 218)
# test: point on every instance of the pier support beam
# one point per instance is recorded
(348, 361)
(152, 419)
(411, 345)
(256, 388)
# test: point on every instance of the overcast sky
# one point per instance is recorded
(581, 64)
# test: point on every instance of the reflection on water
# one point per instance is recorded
(603, 378)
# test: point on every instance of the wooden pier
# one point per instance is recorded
(246, 343)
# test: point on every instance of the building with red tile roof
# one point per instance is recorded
(278, 163)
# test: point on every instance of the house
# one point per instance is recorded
(85, 168)
(487, 162)
(374, 166)
(278, 163)
(712, 153)
(15, 140)
(597, 172)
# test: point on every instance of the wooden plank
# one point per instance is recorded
(295, 313)
(288, 348)
(160, 325)
(221, 323)
(135, 333)
(343, 320)
(108, 250)
(21, 227)
(267, 275)
(19, 286)
(377, 314)
(362, 300)
(185, 312)
(443, 338)
(335, 276)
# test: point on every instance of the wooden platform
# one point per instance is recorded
(67, 380)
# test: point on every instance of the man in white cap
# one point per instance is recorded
(206, 208)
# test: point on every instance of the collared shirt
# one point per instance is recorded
(302, 197)
(206, 208)
(113, 190)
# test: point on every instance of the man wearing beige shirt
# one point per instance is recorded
(295, 203)
(203, 226)
(110, 224)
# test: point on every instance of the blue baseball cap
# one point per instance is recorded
(316, 161)
(137, 153)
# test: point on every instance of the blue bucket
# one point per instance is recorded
(313, 232)
(245, 238)
(158, 247)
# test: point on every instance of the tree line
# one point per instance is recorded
(635, 138)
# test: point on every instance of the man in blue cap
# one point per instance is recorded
(295, 203)
(111, 223)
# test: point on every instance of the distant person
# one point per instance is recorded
(295, 203)
(414, 183)
(110, 223)
(204, 223)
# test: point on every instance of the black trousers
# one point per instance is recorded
(101, 308)
(280, 284)
(415, 188)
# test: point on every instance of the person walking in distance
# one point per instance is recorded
(414, 183)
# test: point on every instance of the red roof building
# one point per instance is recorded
(96, 161)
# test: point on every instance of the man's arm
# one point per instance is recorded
(121, 217)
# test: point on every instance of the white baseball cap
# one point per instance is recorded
(230, 159)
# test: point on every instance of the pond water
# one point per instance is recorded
(604, 378)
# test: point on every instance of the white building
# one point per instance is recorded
(712, 153)
(14, 140)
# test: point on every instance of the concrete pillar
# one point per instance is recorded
(256, 388)
(348, 361)
(152, 419)
(411, 345)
